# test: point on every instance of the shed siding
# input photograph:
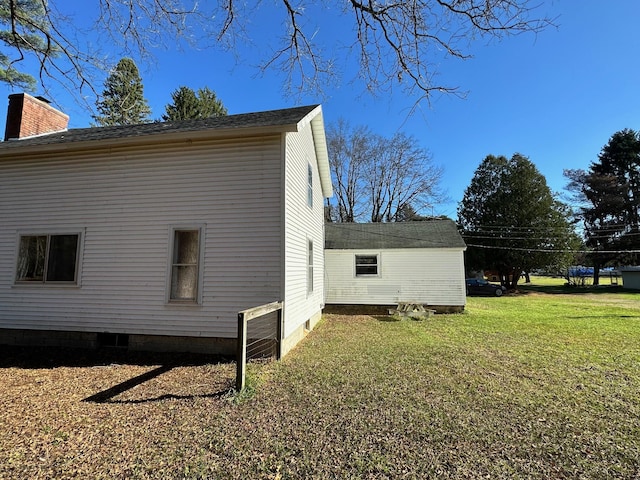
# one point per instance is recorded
(631, 279)
(430, 276)
(302, 224)
(126, 203)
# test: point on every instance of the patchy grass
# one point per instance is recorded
(523, 386)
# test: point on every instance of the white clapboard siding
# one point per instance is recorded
(125, 203)
(303, 223)
(433, 276)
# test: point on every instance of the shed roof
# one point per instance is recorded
(362, 236)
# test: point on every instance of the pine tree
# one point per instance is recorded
(210, 104)
(123, 101)
(185, 105)
(28, 26)
(188, 105)
(610, 195)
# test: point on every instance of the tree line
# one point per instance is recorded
(513, 223)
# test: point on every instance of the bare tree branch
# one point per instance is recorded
(398, 44)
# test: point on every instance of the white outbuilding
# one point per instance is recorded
(390, 263)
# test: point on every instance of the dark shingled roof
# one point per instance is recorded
(362, 236)
(272, 118)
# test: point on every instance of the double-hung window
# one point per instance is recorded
(309, 185)
(185, 266)
(48, 258)
(366, 265)
(310, 267)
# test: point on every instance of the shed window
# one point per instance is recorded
(48, 258)
(366, 265)
(185, 266)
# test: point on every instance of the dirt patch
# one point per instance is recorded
(87, 414)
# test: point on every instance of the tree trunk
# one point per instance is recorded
(515, 276)
(596, 273)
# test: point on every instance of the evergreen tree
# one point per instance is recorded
(188, 105)
(210, 104)
(610, 194)
(123, 101)
(26, 26)
(511, 221)
(185, 106)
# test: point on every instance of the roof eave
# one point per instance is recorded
(152, 138)
(316, 120)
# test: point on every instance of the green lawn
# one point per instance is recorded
(538, 281)
(523, 386)
(530, 385)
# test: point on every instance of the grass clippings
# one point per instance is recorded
(523, 386)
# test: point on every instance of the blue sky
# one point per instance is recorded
(556, 97)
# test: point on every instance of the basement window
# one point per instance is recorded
(48, 259)
(366, 265)
(113, 340)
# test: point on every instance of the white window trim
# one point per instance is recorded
(201, 242)
(50, 232)
(367, 275)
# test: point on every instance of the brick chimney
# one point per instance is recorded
(29, 116)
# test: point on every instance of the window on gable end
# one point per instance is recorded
(310, 267)
(310, 185)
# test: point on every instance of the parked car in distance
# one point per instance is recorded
(480, 286)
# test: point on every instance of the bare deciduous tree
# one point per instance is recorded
(400, 174)
(348, 150)
(396, 43)
(377, 178)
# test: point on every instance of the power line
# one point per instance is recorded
(501, 236)
(552, 250)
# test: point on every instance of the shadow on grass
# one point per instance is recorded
(398, 318)
(569, 290)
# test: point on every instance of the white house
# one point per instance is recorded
(388, 263)
(160, 233)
